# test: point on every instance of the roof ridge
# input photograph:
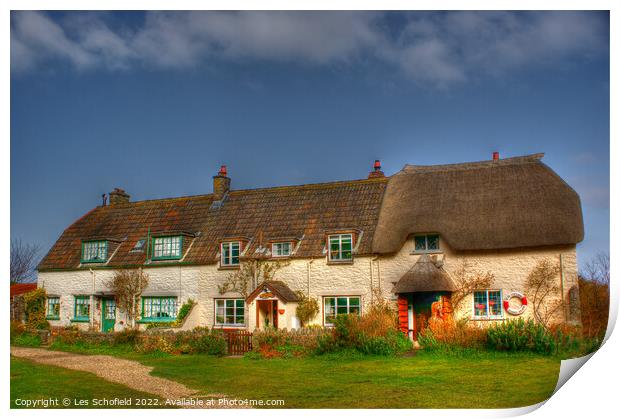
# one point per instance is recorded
(482, 164)
(315, 185)
(235, 191)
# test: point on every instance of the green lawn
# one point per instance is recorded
(31, 381)
(424, 381)
(487, 380)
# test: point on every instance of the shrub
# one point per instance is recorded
(523, 335)
(27, 339)
(184, 310)
(20, 336)
(373, 333)
(35, 309)
(211, 343)
(307, 308)
(127, 336)
(594, 301)
(199, 340)
(273, 343)
(449, 335)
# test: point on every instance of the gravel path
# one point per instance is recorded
(129, 373)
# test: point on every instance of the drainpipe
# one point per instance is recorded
(92, 301)
(372, 291)
(180, 285)
(308, 275)
(562, 287)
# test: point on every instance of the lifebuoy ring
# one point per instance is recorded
(515, 311)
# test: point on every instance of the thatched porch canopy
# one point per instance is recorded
(424, 276)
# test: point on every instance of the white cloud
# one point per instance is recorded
(434, 48)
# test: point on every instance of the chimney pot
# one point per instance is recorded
(376, 173)
(119, 196)
(221, 183)
(496, 155)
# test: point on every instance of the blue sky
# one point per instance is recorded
(155, 102)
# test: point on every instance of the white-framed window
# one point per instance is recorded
(426, 243)
(230, 253)
(487, 304)
(230, 312)
(159, 308)
(337, 305)
(53, 308)
(281, 249)
(95, 251)
(340, 247)
(167, 247)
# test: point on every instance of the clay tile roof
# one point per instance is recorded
(496, 204)
(424, 275)
(19, 289)
(305, 212)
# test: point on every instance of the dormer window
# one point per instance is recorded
(139, 246)
(165, 248)
(282, 249)
(426, 243)
(95, 251)
(340, 247)
(229, 253)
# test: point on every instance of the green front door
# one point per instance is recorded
(108, 314)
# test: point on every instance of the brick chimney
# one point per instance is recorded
(221, 184)
(119, 196)
(376, 171)
(496, 155)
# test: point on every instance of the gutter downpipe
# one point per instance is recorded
(308, 275)
(372, 291)
(92, 301)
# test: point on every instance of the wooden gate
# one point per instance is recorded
(239, 341)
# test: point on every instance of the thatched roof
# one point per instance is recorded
(424, 275)
(496, 204)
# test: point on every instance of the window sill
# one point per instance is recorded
(80, 320)
(426, 252)
(229, 267)
(340, 262)
(229, 326)
(165, 259)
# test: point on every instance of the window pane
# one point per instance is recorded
(342, 301)
(432, 242)
(354, 301)
(420, 243)
(495, 303)
(335, 250)
(480, 303)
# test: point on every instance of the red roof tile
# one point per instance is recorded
(305, 212)
(19, 289)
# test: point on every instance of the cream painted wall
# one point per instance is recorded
(178, 281)
(316, 278)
